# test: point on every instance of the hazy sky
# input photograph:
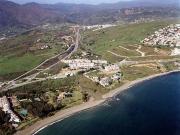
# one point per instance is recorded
(69, 1)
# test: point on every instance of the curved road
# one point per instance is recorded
(47, 64)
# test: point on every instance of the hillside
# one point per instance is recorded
(28, 14)
(24, 52)
(32, 14)
(105, 42)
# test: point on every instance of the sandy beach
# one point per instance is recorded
(39, 125)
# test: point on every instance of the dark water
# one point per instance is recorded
(149, 108)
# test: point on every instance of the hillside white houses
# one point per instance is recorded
(168, 36)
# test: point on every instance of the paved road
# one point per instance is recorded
(13, 86)
(68, 54)
(39, 69)
(46, 61)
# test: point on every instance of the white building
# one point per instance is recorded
(116, 77)
(76, 61)
(99, 61)
(5, 105)
(76, 66)
(175, 52)
(177, 64)
(84, 63)
(98, 27)
(106, 81)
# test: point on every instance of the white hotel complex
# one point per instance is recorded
(84, 63)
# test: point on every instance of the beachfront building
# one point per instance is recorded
(117, 76)
(5, 105)
(106, 81)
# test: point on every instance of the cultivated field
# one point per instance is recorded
(23, 52)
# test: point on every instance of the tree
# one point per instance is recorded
(5, 127)
(2, 115)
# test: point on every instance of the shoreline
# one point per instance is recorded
(59, 116)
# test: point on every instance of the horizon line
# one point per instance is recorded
(81, 3)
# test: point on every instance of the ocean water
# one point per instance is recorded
(149, 108)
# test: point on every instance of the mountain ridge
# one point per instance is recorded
(32, 14)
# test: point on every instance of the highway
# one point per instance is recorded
(46, 65)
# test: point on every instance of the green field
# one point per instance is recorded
(133, 73)
(151, 50)
(124, 52)
(110, 38)
(111, 58)
(19, 64)
(16, 56)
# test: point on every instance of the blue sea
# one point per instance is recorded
(149, 108)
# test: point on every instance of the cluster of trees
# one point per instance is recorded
(38, 108)
(6, 128)
(42, 107)
(86, 96)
